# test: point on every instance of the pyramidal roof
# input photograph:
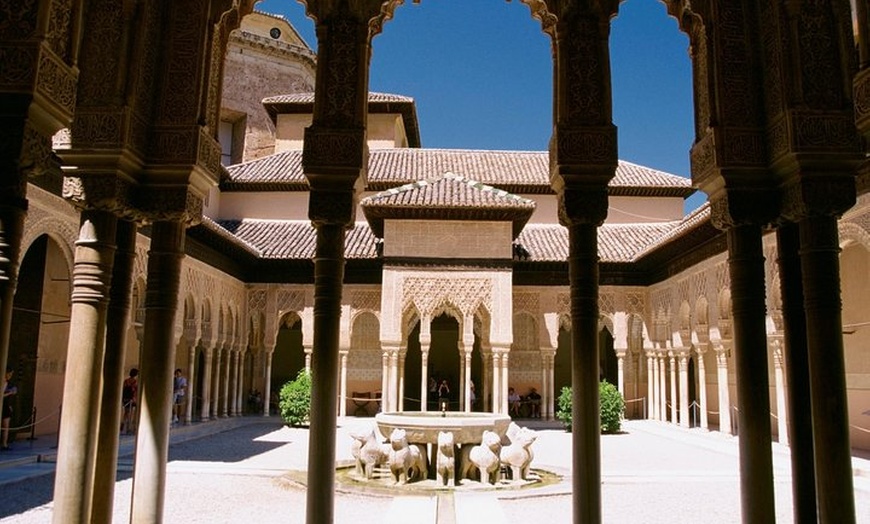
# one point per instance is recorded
(447, 197)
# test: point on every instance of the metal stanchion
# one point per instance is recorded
(57, 438)
(32, 425)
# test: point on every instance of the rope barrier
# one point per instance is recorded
(30, 424)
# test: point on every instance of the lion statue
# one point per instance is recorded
(484, 457)
(368, 453)
(406, 461)
(446, 465)
(518, 455)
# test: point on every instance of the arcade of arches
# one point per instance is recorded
(125, 242)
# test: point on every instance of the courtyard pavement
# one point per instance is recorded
(251, 469)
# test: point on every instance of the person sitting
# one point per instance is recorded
(513, 402)
(534, 401)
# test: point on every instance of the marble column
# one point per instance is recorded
(545, 386)
(157, 366)
(656, 381)
(675, 399)
(117, 327)
(486, 387)
(820, 267)
(620, 372)
(663, 386)
(650, 387)
(505, 380)
(267, 385)
(702, 387)
(225, 383)
(746, 267)
(191, 385)
(496, 381)
(424, 376)
(215, 404)
(800, 420)
(394, 379)
(342, 384)
(76, 455)
(684, 387)
(779, 381)
(208, 365)
(385, 381)
(551, 363)
(724, 390)
(400, 368)
(466, 371)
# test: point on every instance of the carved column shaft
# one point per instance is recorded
(650, 387)
(267, 385)
(328, 276)
(206, 385)
(157, 367)
(342, 388)
(74, 481)
(117, 326)
(192, 385)
(779, 381)
(505, 380)
(424, 375)
(675, 399)
(385, 381)
(684, 389)
(746, 267)
(215, 405)
(663, 387)
(820, 267)
(226, 400)
(400, 369)
(702, 389)
(496, 382)
(724, 391)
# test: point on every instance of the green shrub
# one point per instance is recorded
(295, 400)
(611, 407)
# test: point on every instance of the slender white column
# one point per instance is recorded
(724, 394)
(462, 377)
(206, 385)
(551, 365)
(191, 385)
(267, 386)
(394, 378)
(308, 351)
(496, 382)
(505, 381)
(650, 387)
(781, 412)
(620, 373)
(225, 403)
(385, 381)
(424, 377)
(656, 404)
(702, 387)
(342, 387)
(674, 397)
(545, 385)
(400, 363)
(467, 382)
(240, 388)
(684, 388)
(663, 387)
(486, 387)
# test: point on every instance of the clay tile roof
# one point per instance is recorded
(447, 197)
(385, 103)
(616, 242)
(689, 222)
(295, 239)
(514, 171)
(278, 172)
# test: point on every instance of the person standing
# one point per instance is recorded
(9, 390)
(129, 394)
(179, 388)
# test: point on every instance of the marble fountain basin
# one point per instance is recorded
(423, 427)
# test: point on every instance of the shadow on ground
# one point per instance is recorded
(243, 444)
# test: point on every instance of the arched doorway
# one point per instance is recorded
(38, 343)
(562, 365)
(444, 361)
(694, 406)
(289, 356)
(608, 365)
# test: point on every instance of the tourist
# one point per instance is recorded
(8, 391)
(444, 395)
(129, 394)
(179, 388)
(534, 400)
(514, 402)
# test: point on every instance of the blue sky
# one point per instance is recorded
(481, 74)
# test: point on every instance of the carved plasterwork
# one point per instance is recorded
(606, 303)
(528, 302)
(634, 303)
(365, 300)
(428, 294)
(290, 300)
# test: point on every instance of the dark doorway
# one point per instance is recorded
(444, 359)
(289, 356)
(413, 363)
(562, 365)
(608, 368)
(694, 406)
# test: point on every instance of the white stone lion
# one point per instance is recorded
(485, 458)
(368, 453)
(518, 454)
(406, 461)
(446, 465)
